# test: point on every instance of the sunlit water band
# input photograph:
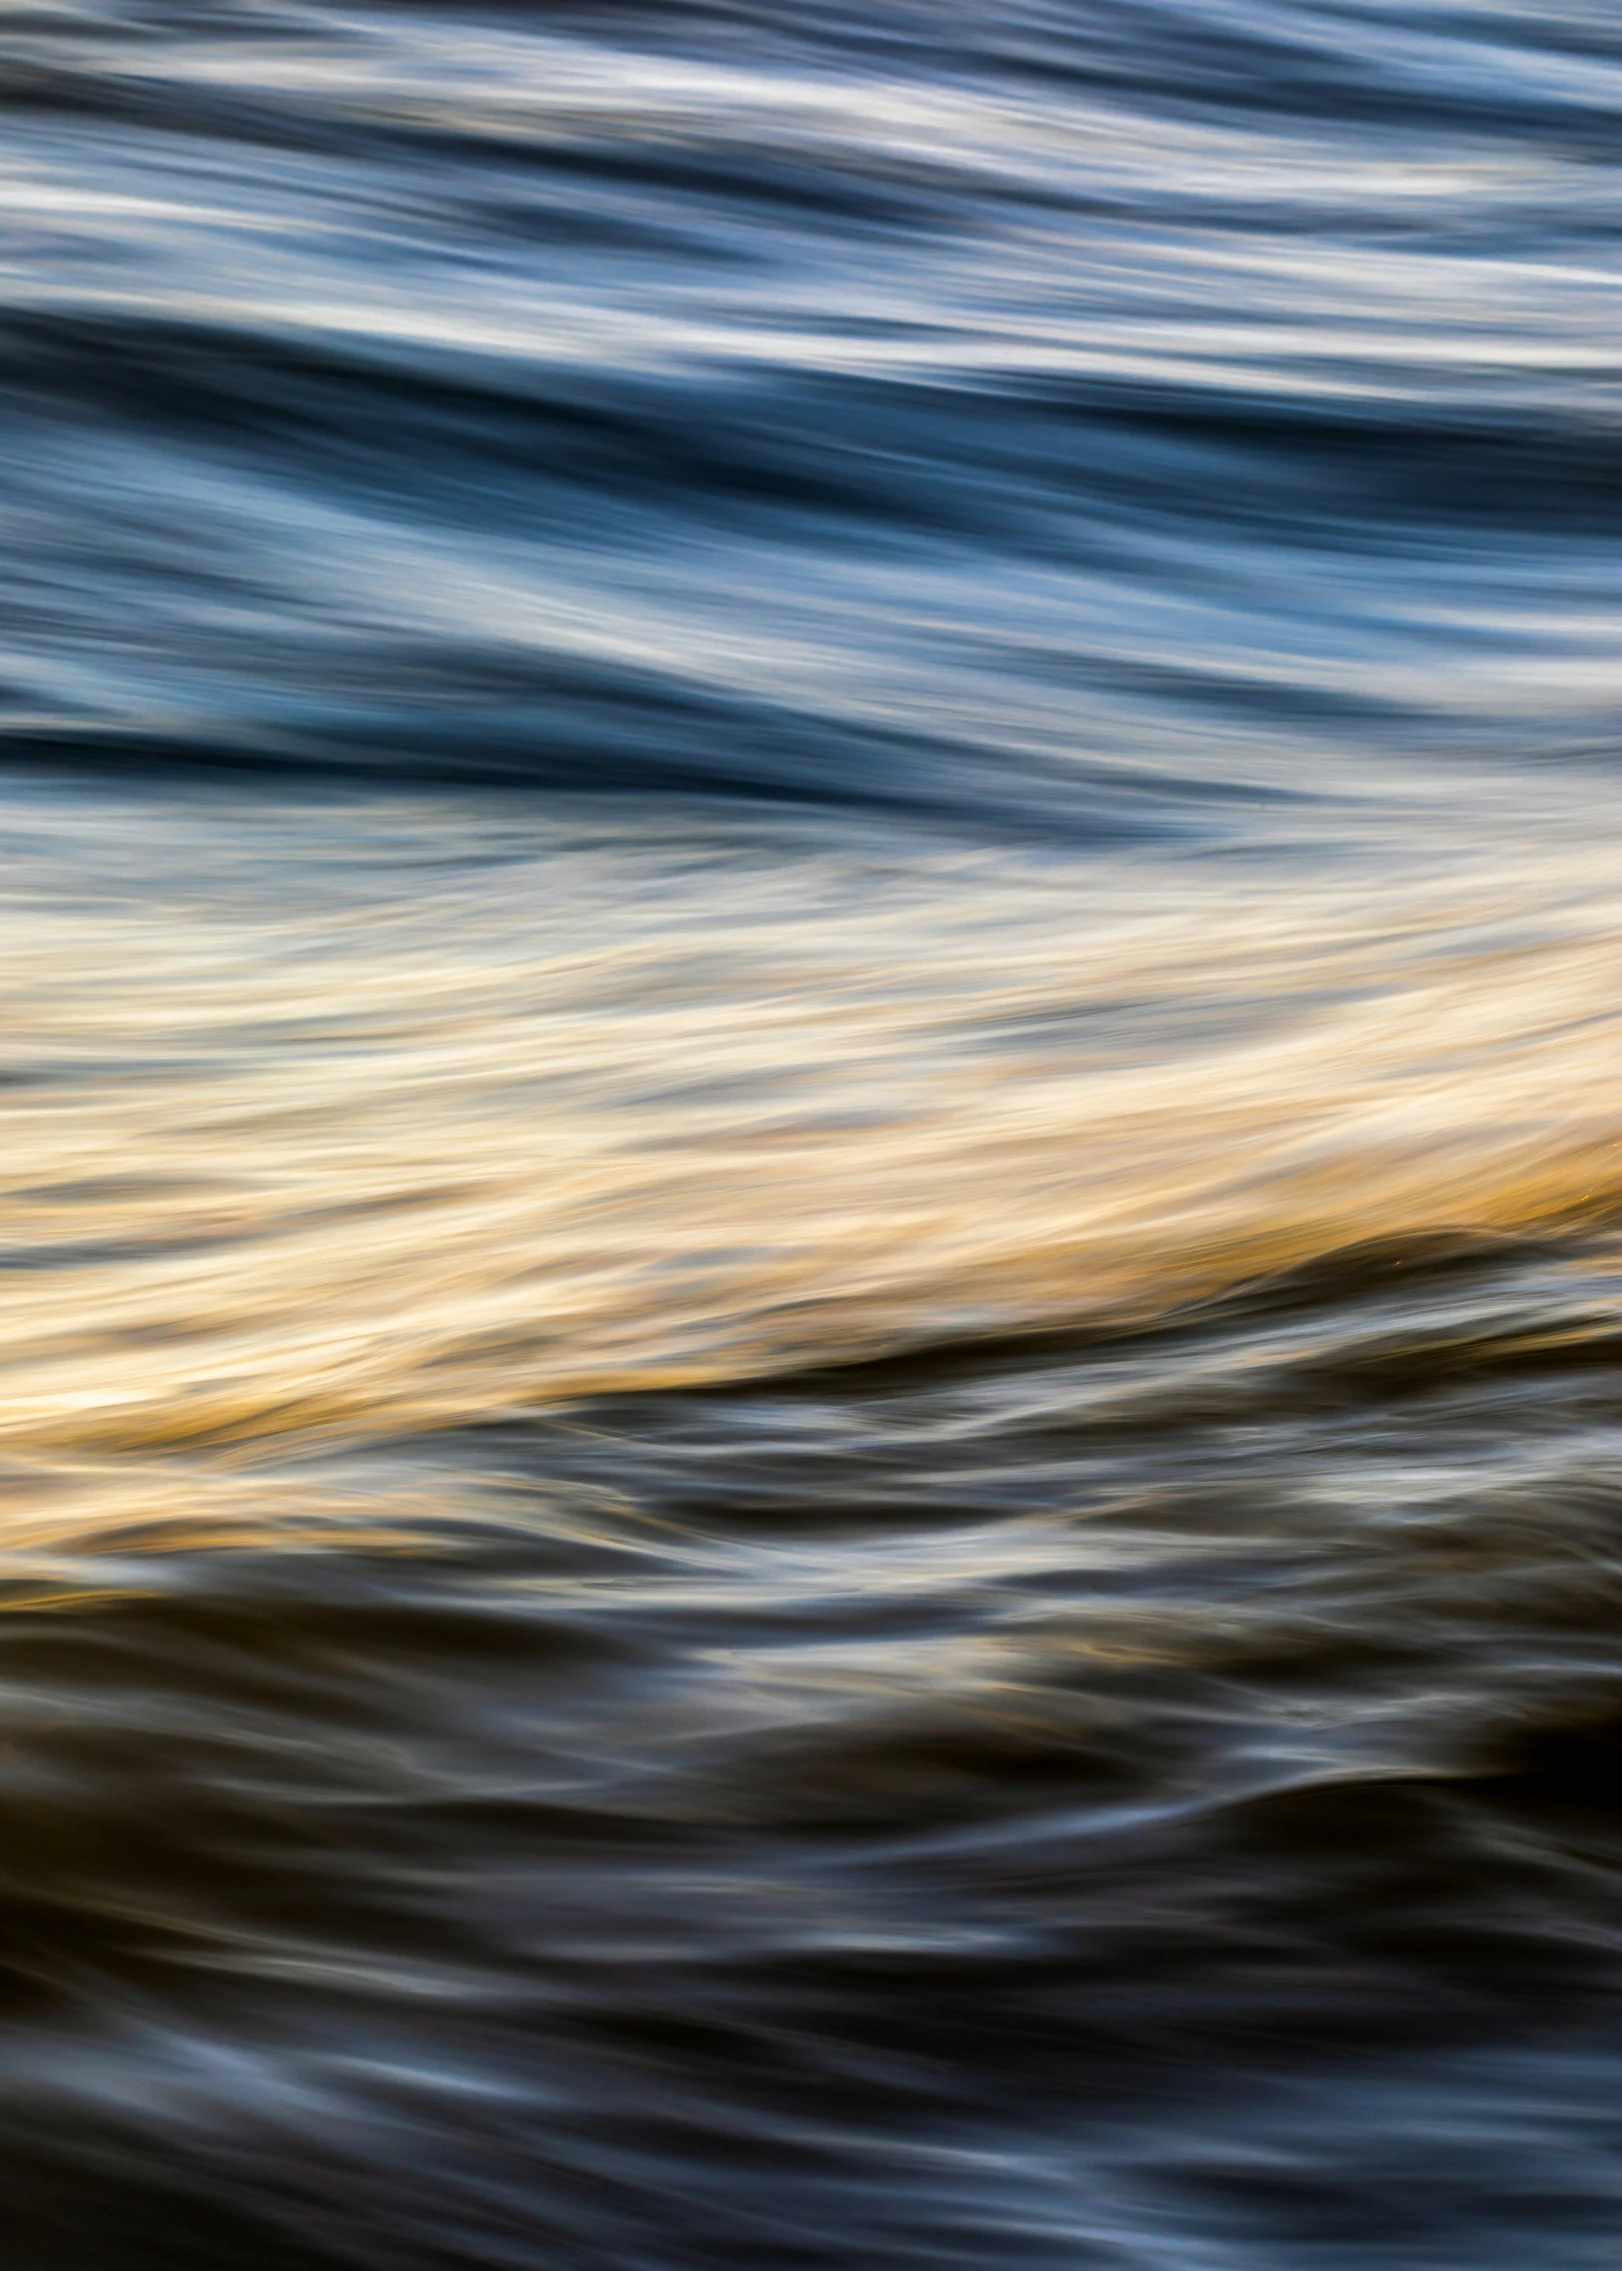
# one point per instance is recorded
(364, 1112)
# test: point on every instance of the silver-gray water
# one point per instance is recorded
(811, 1128)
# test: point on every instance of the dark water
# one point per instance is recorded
(810, 1302)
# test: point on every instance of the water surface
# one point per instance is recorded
(810, 1295)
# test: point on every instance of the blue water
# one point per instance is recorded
(1095, 414)
(810, 1304)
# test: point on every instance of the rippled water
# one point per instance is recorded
(813, 918)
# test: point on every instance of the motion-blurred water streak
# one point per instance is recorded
(809, 1303)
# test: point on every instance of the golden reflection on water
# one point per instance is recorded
(394, 1116)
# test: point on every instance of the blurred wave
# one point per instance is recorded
(1126, 1800)
(810, 1288)
(404, 1110)
(1087, 413)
